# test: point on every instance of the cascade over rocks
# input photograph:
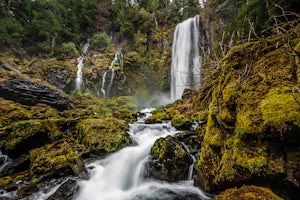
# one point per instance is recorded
(27, 92)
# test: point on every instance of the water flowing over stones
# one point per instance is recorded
(185, 70)
(80, 66)
(122, 175)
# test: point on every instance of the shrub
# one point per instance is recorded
(100, 41)
(66, 50)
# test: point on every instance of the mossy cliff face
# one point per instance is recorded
(253, 116)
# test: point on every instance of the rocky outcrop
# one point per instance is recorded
(28, 92)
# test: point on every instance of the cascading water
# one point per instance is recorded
(121, 175)
(185, 69)
(80, 66)
(118, 58)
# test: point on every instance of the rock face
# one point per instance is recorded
(170, 161)
(252, 132)
(27, 92)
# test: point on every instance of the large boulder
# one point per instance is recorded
(28, 92)
(170, 161)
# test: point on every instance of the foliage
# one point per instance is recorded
(100, 42)
(66, 50)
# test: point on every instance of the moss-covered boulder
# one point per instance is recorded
(11, 112)
(170, 161)
(103, 135)
(56, 159)
(253, 117)
(126, 115)
(248, 193)
(26, 135)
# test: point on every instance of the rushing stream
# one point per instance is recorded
(121, 176)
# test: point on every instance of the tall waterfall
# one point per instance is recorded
(80, 66)
(186, 61)
(118, 58)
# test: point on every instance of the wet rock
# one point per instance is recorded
(26, 190)
(28, 92)
(248, 193)
(16, 165)
(170, 161)
(66, 191)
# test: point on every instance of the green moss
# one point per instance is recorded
(102, 135)
(11, 112)
(181, 122)
(280, 111)
(126, 115)
(53, 158)
(20, 132)
(170, 159)
(4, 181)
(248, 193)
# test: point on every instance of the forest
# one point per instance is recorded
(86, 113)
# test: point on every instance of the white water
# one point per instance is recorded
(186, 61)
(80, 66)
(118, 58)
(121, 175)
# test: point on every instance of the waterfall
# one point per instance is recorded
(186, 61)
(118, 58)
(121, 175)
(80, 66)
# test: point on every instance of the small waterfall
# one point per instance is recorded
(186, 61)
(121, 176)
(80, 66)
(118, 58)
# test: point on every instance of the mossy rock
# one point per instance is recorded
(248, 193)
(181, 122)
(126, 115)
(103, 135)
(157, 117)
(56, 159)
(26, 135)
(11, 112)
(170, 161)
(280, 112)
